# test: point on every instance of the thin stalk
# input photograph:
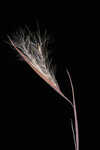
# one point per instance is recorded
(75, 114)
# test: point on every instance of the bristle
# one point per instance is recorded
(34, 48)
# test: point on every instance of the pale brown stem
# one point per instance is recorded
(75, 114)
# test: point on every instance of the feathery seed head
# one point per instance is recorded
(34, 47)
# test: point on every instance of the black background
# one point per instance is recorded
(34, 114)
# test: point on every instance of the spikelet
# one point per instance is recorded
(33, 48)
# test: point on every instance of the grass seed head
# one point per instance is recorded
(34, 47)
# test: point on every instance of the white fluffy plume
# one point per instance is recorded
(34, 48)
